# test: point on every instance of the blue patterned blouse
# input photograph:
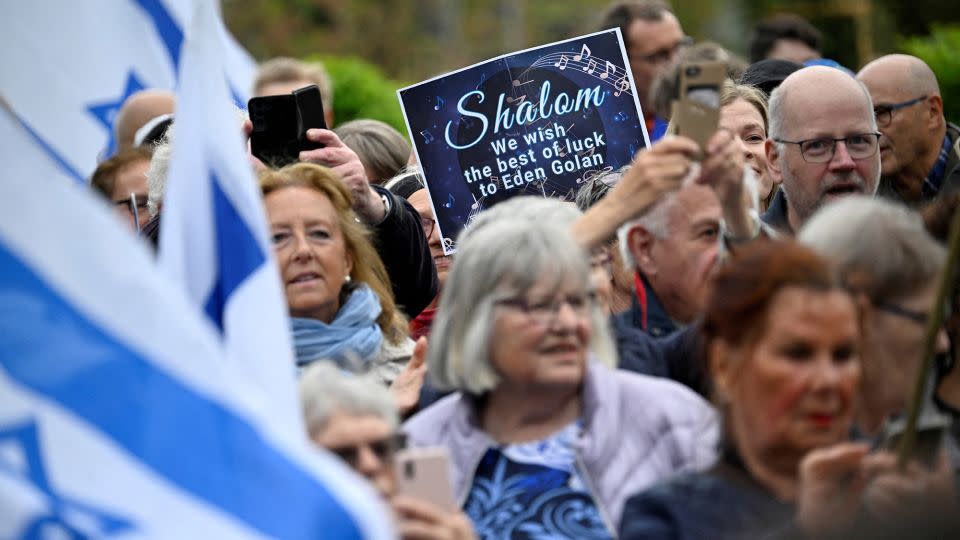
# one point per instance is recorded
(533, 491)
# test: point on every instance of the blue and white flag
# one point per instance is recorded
(119, 415)
(213, 236)
(69, 66)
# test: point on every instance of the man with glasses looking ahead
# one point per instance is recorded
(822, 144)
(653, 37)
(919, 150)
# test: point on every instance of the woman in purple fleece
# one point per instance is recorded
(546, 439)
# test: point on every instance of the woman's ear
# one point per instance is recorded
(721, 369)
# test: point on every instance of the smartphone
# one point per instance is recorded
(697, 109)
(280, 125)
(931, 429)
(424, 473)
(275, 139)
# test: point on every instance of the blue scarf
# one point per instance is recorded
(353, 335)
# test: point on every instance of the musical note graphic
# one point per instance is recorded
(562, 64)
(440, 103)
(620, 116)
(591, 67)
(584, 54)
(622, 85)
(610, 68)
(516, 82)
(511, 99)
(450, 201)
(427, 136)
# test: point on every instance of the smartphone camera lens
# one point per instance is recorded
(693, 71)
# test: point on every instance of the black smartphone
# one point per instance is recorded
(280, 125)
(275, 139)
(931, 430)
(310, 106)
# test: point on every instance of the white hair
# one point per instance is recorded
(160, 164)
(881, 248)
(326, 390)
(656, 221)
(512, 246)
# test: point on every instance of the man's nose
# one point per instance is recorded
(841, 158)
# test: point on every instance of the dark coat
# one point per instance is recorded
(723, 503)
(776, 214)
(646, 313)
(406, 255)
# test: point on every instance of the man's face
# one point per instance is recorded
(653, 48)
(420, 201)
(905, 138)
(809, 112)
(793, 50)
(679, 266)
(132, 180)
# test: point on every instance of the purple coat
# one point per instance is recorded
(638, 430)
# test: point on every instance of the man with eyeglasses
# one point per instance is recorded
(653, 37)
(822, 144)
(919, 150)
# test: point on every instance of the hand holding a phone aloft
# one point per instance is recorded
(345, 162)
(830, 486)
(654, 172)
(420, 520)
(406, 387)
(722, 170)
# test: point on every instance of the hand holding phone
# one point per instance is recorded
(280, 125)
(424, 473)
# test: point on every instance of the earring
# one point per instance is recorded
(348, 279)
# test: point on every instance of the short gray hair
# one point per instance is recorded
(656, 220)
(326, 390)
(511, 246)
(380, 147)
(880, 248)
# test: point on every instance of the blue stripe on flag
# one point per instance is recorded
(60, 160)
(238, 253)
(196, 444)
(167, 28)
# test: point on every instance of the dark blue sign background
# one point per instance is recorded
(541, 122)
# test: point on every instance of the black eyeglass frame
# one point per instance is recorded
(833, 148)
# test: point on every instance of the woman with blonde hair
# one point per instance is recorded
(336, 287)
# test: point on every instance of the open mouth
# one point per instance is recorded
(840, 190)
(561, 348)
(302, 278)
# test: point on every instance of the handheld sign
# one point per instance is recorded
(538, 122)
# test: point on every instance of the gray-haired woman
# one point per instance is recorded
(546, 440)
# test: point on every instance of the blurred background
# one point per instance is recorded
(373, 47)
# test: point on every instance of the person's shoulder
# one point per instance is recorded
(675, 508)
(430, 425)
(665, 395)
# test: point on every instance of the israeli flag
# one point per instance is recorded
(69, 66)
(213, 236)
(119, 414)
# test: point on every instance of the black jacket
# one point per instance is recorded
(776, 214)
(646, 313)
(403, 248)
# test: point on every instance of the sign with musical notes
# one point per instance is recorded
(538, 122)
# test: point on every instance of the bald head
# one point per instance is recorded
(137, 110)
(902, 70)
(810, 89)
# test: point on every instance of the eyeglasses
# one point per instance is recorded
(884, 113)
(545, 312)
(918, 317)
(666, 54)
(383, 449)
(427, 224)
(821, 150)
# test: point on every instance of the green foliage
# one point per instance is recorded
(939, 51)
(361, 90)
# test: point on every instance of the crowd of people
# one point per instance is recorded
(709, 343)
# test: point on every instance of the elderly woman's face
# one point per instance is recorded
(793, 390)
(540, 339)
(310, 251)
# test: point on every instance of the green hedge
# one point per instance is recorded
(362, 90)
(940, 51)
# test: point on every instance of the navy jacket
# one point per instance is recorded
(646, 313)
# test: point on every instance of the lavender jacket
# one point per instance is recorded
(638, 430)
